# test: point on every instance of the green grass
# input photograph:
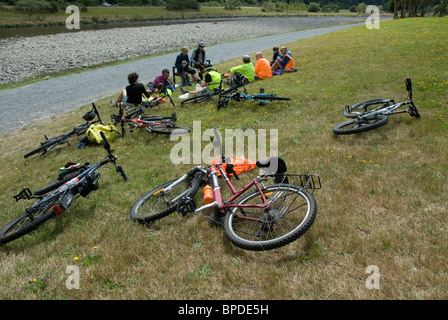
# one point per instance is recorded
(383, 200)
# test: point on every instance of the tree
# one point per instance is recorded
(443, 8)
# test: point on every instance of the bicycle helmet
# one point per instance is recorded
(89, 115)
(201, 44)
(239, 79)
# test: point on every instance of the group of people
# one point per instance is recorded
(200, 69)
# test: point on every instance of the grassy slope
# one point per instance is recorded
(383, 200)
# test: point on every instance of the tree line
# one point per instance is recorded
(400, 8)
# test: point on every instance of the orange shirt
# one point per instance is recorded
(263, 69)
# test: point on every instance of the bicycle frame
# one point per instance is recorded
(222, 205)
(49, 144)
(66, 192)
(386, 110)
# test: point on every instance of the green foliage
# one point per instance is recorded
(313, 7)
(36, 6)
(182, 4)
(331, 7)
(232, 5)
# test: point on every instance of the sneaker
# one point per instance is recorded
(216, 219)
(69, 167)
(113, 103)
(184, 90)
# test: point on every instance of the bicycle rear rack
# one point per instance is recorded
(306, 181)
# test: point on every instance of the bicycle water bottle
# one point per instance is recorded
(208, 194)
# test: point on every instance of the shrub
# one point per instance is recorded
(313, 7)
(182, 4)
(35, 6)
(232, 5)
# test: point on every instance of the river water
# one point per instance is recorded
(50, 30)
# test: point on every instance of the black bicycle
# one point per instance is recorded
(49, 144)
(238, 81)
(374, 113)
(261, 97)
(58, 201)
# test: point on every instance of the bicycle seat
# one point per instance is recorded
(272, 165)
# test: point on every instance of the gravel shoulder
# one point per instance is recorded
(62, 94)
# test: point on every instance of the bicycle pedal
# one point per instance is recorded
(188, 206)
(24, 194)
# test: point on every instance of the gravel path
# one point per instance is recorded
(63, 51)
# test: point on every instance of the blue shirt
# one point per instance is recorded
(180, 58)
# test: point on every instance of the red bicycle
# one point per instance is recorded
(269, 217)
(156, 124)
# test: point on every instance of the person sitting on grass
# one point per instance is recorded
(262, 67)
(275, 55)
(161, 81)
(212, 79)
(286, 62)
(246, 69)
(133, 94)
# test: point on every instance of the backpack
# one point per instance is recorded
(110, 131)
(241, 165)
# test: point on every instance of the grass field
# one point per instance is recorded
(383, 199)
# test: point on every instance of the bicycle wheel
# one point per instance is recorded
(364, 106)
(268, 97)
(157, 204)
(42, 149)
(357, 126)
(167, 128)
(57, 183)
(198, 98)
(291, 213)
(28, 221)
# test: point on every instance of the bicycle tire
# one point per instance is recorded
(167, 128)
(269, 97)
(364, 106)
(256, 229)
(25, 222)
(357, 126)
(197, 99)
(37, 150)
(45, 146)
(144, 211)
(57, 183)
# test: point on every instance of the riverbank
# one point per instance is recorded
(118, 14)
(43, 55)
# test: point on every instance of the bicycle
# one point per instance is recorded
(49, 144)
(374, 113)
(262, 97)
(156, 124)
(58, 201)
(266, 218)
(207, 94)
